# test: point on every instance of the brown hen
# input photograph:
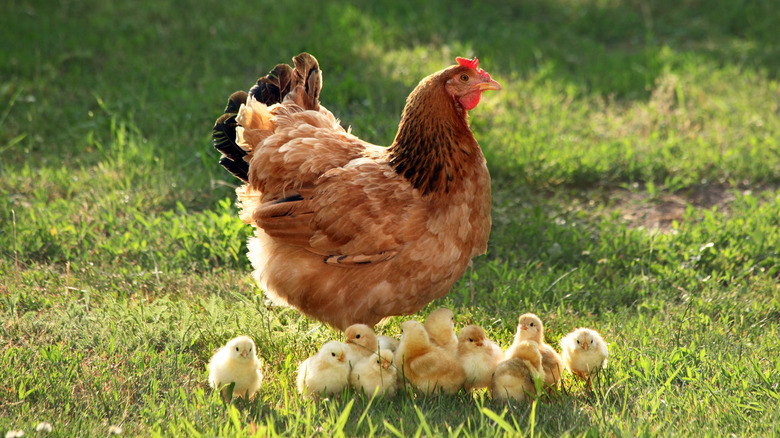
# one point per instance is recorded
(350, 232)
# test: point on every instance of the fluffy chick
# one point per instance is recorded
(425, 365)
(236, 362)
(478, 355)
(388, 343)
(326, 372)
(515, 377)
(362, 342)
(530, 327)
(375, 374)
(584, 353)
(440, 326)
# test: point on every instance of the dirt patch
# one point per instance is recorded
(661, 210)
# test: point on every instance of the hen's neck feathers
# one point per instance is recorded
(434, 147)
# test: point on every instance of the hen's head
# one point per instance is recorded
(466, 82)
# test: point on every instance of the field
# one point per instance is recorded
(635, 157)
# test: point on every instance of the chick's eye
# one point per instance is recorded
(333, 354)
(578, 341)
(531, 324)
(357, 336)
(464, 77)
(471, 340)
(236, 348)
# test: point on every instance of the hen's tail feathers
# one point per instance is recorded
(301, 85)
(272, 88)
(224, 137)
(308, 75)
(283, 81)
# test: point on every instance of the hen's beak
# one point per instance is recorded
(490, 84)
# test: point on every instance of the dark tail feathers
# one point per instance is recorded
(224, 137)
(274, 87)
(270, 89)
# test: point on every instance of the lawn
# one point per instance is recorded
(635, 157)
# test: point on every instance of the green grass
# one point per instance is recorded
(122, 261)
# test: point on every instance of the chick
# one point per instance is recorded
(327, 372)
(530, 327)
(440, 326)
(236, 362)
(515, 377)
(478, 355)
(425, 365)
(387, 343)
(361, 341)
(584, 353)
(375, 374)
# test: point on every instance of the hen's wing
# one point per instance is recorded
(332, 194)
(352, 215)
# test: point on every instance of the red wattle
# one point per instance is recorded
(470, 100)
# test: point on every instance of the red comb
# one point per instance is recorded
(473, 64)
(465, 62)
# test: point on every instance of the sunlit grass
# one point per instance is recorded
(122, 261)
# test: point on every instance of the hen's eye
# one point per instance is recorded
(464, 77)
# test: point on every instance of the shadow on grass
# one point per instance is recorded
(605, 47)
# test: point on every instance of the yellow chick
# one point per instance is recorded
(375, 374)
(327, 372)
(584, 353)
(530, 327)
(478, 355)
(362, 342)
(440, 326)
(425, 365)
(515, 377)
(387, 343)
(236, 362)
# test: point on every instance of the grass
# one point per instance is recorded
(122, 261)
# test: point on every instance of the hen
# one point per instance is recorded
(350, 232)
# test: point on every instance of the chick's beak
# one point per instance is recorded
(488, 84)
(585, 346)
(244, 352)
(342, 357)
